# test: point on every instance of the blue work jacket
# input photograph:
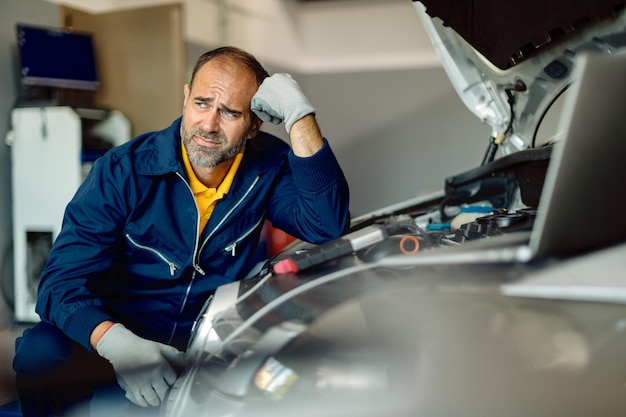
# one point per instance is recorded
(129, 249)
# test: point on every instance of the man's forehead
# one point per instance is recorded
(224, 78)
(226, 66)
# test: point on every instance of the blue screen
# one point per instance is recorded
(56, 57)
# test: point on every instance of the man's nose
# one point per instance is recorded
(211, 120)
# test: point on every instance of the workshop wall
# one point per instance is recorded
(398, 133)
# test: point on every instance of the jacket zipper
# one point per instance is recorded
(171, 264)
(233, 246)
(182, 307)
(196, 267)
(210, 235)
(197, 251)
(197, 236)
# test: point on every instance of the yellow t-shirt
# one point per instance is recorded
(207, 197)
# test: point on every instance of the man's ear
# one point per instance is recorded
(186, 91)
(254, 128)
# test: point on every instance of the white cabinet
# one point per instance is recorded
(52, 149)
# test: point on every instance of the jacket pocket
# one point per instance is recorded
(232, 247)
(152, 253)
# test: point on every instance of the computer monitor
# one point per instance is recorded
(56, 57)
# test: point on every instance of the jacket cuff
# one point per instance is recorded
(81, 323)
(316, 172)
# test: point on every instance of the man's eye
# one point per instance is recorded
(201, 104)
(228, 114)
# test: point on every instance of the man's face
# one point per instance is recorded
(216, 113)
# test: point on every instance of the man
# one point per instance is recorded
(162, 221)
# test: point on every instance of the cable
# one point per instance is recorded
(519, 86)
(543, 115)
(495, 142)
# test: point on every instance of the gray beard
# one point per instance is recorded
(208, 157)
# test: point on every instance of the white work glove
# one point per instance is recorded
(144, 368)
(278, 99)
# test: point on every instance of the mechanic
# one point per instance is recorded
(162, 221)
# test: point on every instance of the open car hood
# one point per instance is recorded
(510, 61)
